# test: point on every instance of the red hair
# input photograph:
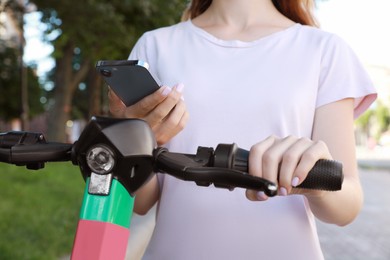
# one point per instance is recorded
(300, 11)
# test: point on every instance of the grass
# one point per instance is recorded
(39, 210)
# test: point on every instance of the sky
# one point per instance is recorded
(364, 24)
(36, 50)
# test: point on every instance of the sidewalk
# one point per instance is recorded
(377, 158)
(368, 236)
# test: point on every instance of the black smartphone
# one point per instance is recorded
(129, 79)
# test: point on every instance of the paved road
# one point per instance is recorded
(368, 237)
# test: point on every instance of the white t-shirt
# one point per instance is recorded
(243, 92)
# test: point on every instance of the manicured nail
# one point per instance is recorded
(261, 196)
(180, 87)
(283, 191)
(166, 90)
(295, 182)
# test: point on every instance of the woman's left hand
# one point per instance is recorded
(285, 161)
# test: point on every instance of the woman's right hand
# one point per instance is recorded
(164, 111)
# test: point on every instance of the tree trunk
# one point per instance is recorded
(66, 81)
(25, 109)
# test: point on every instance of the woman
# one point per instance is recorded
(252, 70)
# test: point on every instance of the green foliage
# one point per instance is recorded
(364, 120)
(10, 85)
(39, 211)
(104, 29)
(383, 117)
(80, 111)
(376, 121)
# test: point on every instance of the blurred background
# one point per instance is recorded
(48, 84)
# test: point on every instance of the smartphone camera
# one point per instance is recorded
(105, 72)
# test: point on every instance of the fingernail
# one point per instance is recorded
(166, 91)
(283, 191)
(180, 87)
(295, 182)
(261, 196)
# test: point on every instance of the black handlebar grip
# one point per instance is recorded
(325, 175)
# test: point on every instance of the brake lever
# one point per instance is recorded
(31, 149)
(199, 168)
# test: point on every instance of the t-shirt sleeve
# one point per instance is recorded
(145, 50)
(139, 50)
(342, 76)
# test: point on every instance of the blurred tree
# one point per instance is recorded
(10, 85)
(83, 32)
(374, 122)
(15, 73)
(383, 119)
(364, 122)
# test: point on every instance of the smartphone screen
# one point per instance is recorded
(129, 79)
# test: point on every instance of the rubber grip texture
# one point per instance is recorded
(325, 175)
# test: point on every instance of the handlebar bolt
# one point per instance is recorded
(101, 159)
(272, 190)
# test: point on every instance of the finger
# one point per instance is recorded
(116, 106)
(256, 156)
(290, 160)
(160, 112)
(112, 96)
(148, 103)
(273, 156)
(174, 119)
(172, 124)
(255, 165)
(318, 150)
